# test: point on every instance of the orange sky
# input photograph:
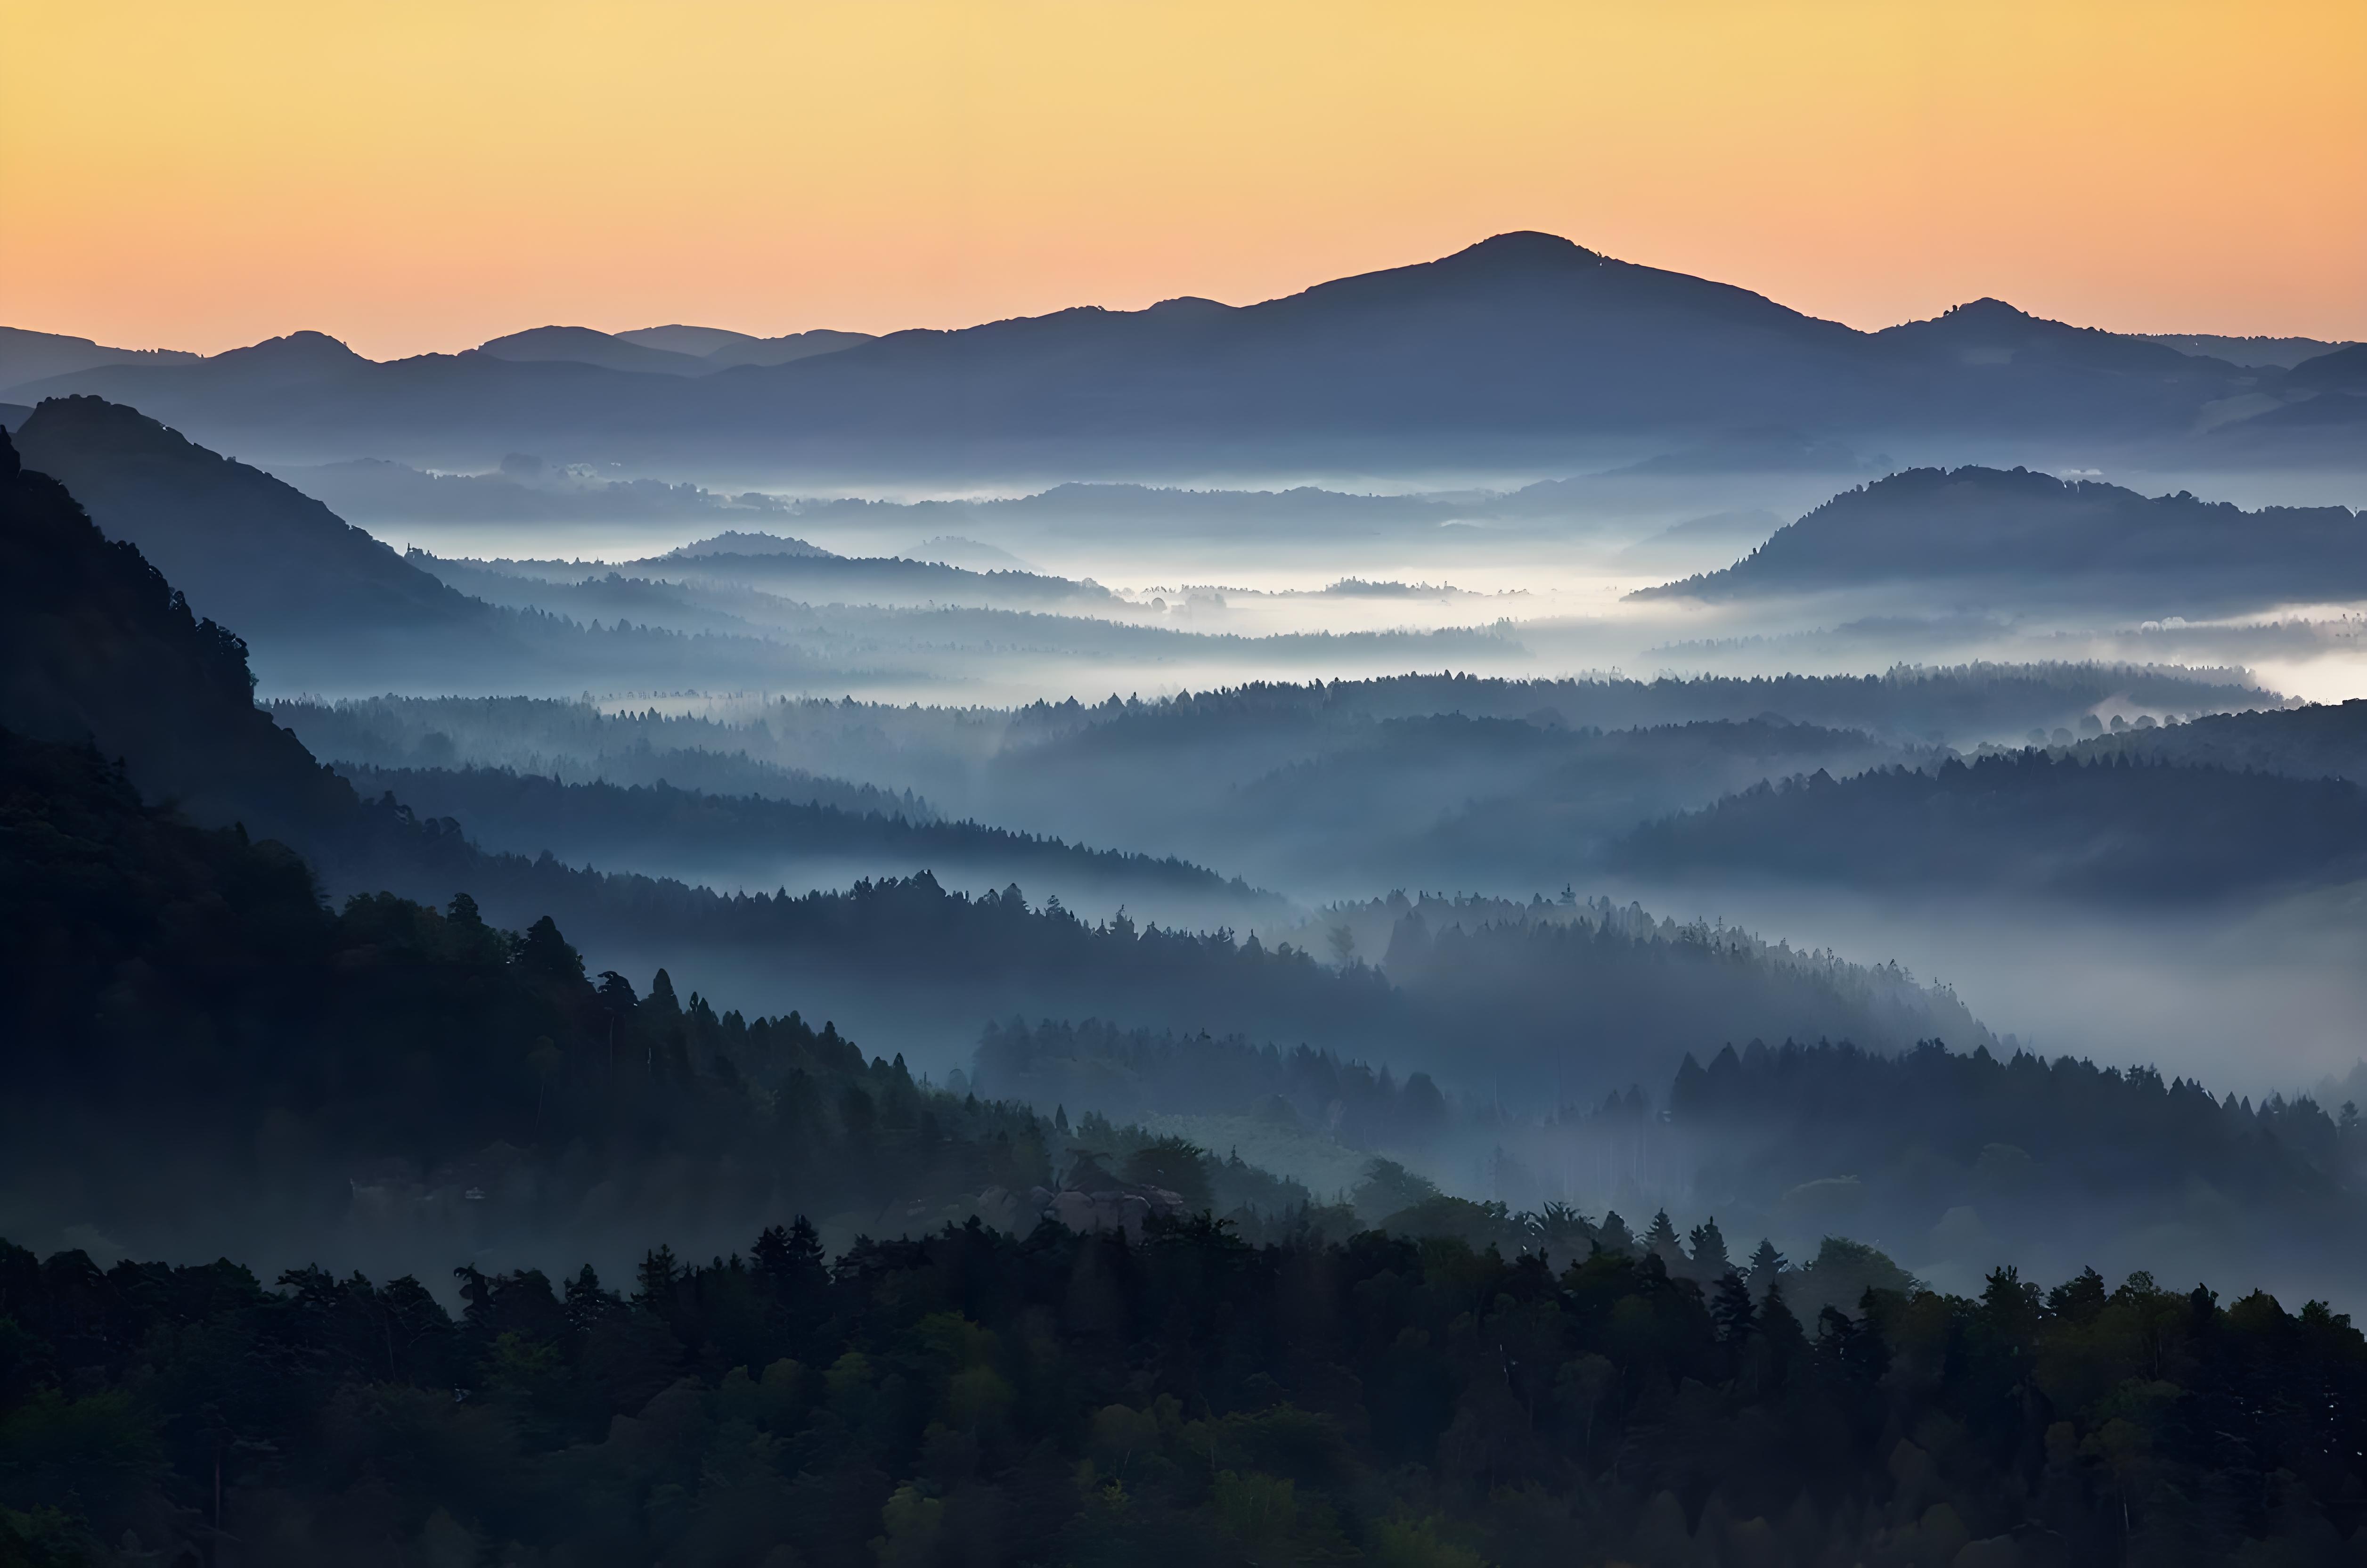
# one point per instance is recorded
(425, 175)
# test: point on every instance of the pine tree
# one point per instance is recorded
(1787, 1341)
(1615, 1237)
(1731, 1306)
(1767, 1266)
(1660, 1241)
(1709, 1259)
(656, 1276)
(660, 999)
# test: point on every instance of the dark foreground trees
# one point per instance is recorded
(974, 1398)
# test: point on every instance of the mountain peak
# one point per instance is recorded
(1985, 311)
(305, 347)
(1525, 250)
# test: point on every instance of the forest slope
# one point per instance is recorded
(1978, 536)
(2110, 829)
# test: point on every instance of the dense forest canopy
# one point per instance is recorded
(968, 1397)
(2107, 827)
(657, 827)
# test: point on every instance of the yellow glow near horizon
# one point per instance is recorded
(422, 176)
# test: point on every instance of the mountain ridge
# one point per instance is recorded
(1521, 341)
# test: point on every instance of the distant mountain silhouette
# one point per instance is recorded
(298, 359)
(248, 550)
(1522, 342)
(738, 543)
(2345, 369)
(2003, 538)
(721, 349)
(32, 356)
(2281, 352)
(665, 350)
(1990, 332)
(372, 489)
(583, 346)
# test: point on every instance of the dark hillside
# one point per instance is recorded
(96, 645)
(1984, 536)
(2109, 829)
(248, 550)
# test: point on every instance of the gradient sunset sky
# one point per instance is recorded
(422, 176)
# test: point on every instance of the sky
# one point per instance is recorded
(424, 176)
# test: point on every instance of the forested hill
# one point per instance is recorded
(2021, 537)
(206, 1058)
(835, 579)
(2112, 828)
(94, 644)
(249, 550)
(2322, 741)
(573, 740)
(657, 827)
(1971, 1157)
(1960, 704)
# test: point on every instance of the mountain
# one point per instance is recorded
(2344, 370)
(1525, 343)
(1991, 538)
(35, 356)
(583, 346)
(2283, 353)
(721, 350)
(249, 550)
(1992, 334)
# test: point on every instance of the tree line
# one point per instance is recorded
(969, 1397)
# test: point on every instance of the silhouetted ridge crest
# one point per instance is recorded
(2016, 535)
(248, 549)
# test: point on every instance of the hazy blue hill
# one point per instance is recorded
(1992, 335)
(819, 576)
(32, 356)
(1169, 512)
(1961, 704)
(2105, 829)
(298, 359)
(663, 829)
(248, 550)
(2323, 741)
(735, 542)
(1523, 342)
(583, 346)
(573, 740)
(1453, 799)
(377, 490)
(2004, 538)
(721, 350)
(2344, 370)
(2283, 353)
